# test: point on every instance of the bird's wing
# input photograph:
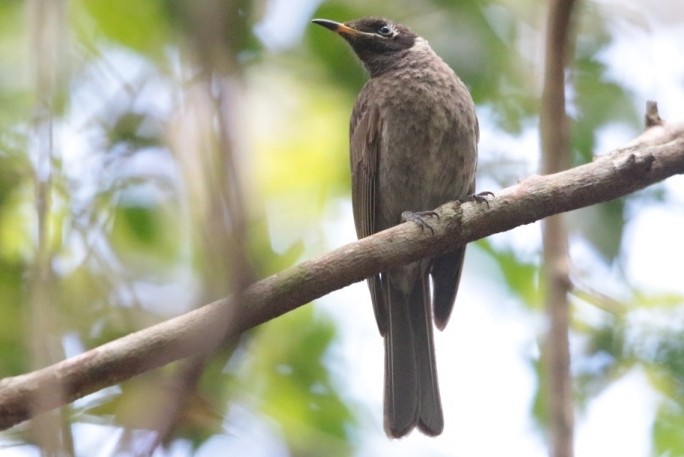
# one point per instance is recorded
(364, 142)
(446, 275)
(365, 137)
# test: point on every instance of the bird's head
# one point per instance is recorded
(378, 42)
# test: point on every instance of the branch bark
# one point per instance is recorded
(610, 176)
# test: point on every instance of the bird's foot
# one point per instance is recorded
(419, 218)
(481, 197)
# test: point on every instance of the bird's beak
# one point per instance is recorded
(337, 27)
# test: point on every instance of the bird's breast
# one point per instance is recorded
(428, 142)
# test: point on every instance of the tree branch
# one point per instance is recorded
(610, 176)
(555, 142)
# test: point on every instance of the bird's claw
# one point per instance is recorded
(419, 219)
(481, 197)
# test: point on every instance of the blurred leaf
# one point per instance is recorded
(218, 29)
(14, 243)
(668, 439)
(521, 277)
(140, 26)
(669, 358)
(141, 221)
(148, 401)
(293, 385)
(605, 358)
(540, 401)
(15, 97)
(599, 101)
(663, 301)
(602, 226)
(108, 323)
(14, 358)
(133, 130)
(343, 68)
(144, 236)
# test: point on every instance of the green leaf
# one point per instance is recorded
(521, 276)
(146, 237)
(289, 378)
(668, 439)
(141, 26)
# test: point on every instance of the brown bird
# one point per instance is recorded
(413, 143)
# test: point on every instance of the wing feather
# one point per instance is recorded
(365, 138)
(446, 276)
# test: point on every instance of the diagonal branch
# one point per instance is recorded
(610, 176)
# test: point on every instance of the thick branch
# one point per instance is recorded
(610, 176)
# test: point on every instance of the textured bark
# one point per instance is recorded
(656, 156)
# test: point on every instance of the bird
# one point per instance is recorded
(413, 138)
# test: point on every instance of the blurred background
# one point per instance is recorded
(158, 155)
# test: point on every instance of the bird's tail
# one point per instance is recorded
(411, 390)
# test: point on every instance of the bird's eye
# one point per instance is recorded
(385, 30)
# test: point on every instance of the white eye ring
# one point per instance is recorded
(386, 30)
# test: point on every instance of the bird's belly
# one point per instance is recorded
(419, 172)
